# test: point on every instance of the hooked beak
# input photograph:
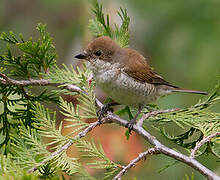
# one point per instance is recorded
(81, 56)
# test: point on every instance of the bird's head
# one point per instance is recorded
(102, 48)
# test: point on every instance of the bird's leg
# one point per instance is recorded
(132, 122)
(106, 107)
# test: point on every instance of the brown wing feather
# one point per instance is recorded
(138, 68)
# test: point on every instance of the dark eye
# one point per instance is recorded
(98, 53)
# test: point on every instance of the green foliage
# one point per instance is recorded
(100, 160)
(45, 122)
(80, 78)
(24, 176)
(16, 100)
(17, 108)
(9, 168)
(122, 35)
(101, 25)
(189, 178)
(36, 57)
(25, 124)
(72, 115)
(200, 120)
(28, 148)
(47, 171)
(68, 75)
(91, 151)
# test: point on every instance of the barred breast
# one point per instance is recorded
(122, 88)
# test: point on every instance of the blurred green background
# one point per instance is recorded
(181, 37)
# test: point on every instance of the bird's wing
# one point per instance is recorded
(138, 68)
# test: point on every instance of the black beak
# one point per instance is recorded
(81, 56)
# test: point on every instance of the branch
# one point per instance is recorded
(66, 146)
(154, 113)
(32, 82)
(164, 149)
(110, 117)
(133, 163)
(43, 82)
(203, 141)
(39, 82)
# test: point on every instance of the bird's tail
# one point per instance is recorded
(176, 89)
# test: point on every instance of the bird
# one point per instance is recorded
(125, 75)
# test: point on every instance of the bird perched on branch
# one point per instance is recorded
(125, 76)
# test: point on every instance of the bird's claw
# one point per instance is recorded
(101, 112)
(130, 125)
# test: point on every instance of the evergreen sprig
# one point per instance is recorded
(100, 18)
(17, 108)
(121, 34)
(28, 148)
(198, 118)
(45, 122)
(36, 57)
(100, 26)
(187, 177)
(80, 78)
(68, 75)
(72, 114)
(90, 150)
(99, 159)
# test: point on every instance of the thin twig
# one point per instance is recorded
(66, 146)
(41, 82)
(133, 162)
(36, 82)
(203, 141)
(154, 113)
(32, 82)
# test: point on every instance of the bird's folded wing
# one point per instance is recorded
(138, 68)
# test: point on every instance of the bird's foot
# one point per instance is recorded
(130, 124)
(102, 112)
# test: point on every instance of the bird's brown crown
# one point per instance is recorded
(102, 48)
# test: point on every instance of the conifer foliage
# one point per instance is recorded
(25, 121)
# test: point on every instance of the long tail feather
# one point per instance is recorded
(188, 91)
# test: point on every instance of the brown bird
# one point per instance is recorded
(125, 76)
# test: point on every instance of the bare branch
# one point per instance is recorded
(203, 141)
(133, 163)
(39, 82)
(160, 148)
(154, 113)
(69, 87)
(66, 146)
(32, 82)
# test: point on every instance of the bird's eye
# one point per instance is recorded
(98, 53)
